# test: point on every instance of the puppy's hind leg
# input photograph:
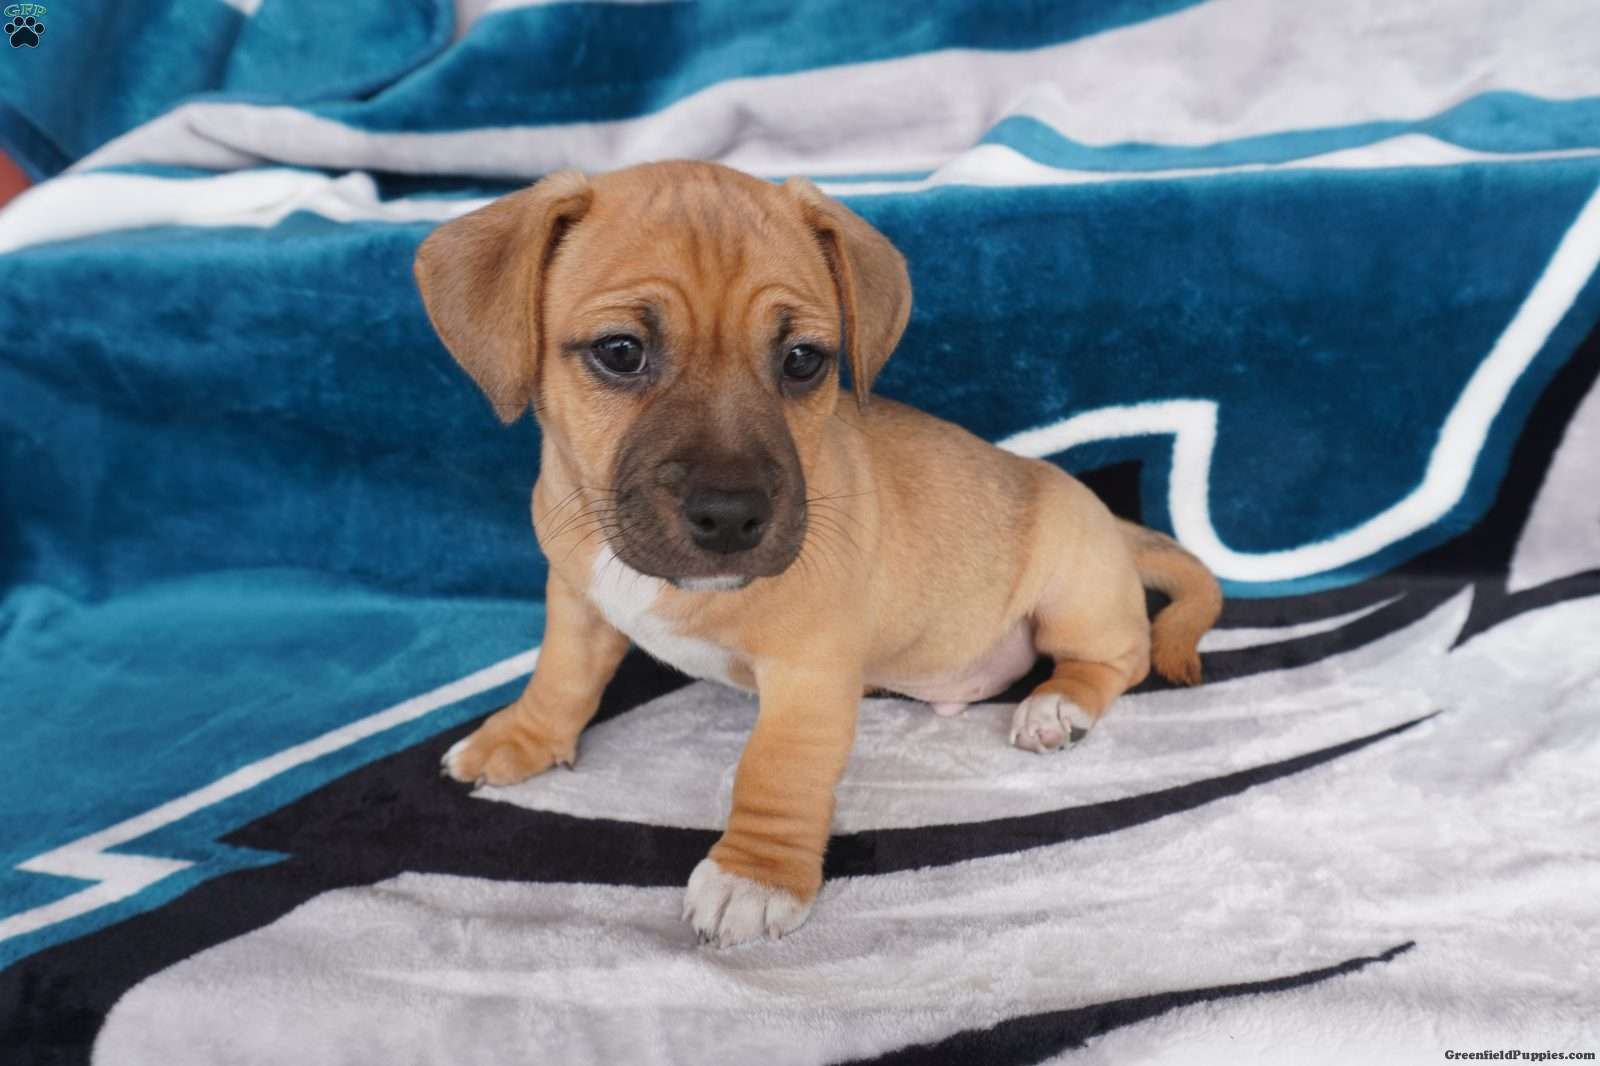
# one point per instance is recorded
(1100, 641)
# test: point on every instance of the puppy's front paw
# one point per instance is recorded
(1046, 721)
(503, 751)
(726, 909)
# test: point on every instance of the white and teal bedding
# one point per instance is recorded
(1312, 285)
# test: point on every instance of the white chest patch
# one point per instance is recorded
(626, 597)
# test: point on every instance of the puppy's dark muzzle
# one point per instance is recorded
(727, 521)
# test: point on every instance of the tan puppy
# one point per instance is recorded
(705, 494)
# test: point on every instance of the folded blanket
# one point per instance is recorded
(1311, 286)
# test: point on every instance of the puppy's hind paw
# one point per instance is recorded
(1046, 721)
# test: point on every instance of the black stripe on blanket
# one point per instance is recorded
(882, 851)
(1030, 1039)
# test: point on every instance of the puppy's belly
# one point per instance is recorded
(627, 597)
(987, 676)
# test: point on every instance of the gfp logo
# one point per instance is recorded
(24, 26)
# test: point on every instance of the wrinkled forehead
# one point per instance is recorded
(694, 251)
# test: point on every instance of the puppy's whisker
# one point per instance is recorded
(831, 523)
(597, 529)
(583, 511)
(587, 518)
(577, 530)
(807, 566)
(583, 518)
(614, 560)
(834, 509)
(566, 501)
(835, 513)
(823, 557)
(840, 496)
(821, 541)
(834, 537)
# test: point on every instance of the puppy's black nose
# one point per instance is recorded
(727, 520)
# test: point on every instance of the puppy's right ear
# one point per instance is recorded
(482, 281)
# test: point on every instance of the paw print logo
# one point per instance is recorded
(24, 31)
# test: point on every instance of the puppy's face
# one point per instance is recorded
(680, 332)
(693, 334)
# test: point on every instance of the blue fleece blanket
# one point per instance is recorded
(1311, 286)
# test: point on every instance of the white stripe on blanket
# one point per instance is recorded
(1193, 425)
(79, 205)
(1212, 72)
(116, 875)
(468, 12)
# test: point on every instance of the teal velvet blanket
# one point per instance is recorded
(1311, 286)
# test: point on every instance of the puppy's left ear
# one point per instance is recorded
(482, 281)
(870, 275)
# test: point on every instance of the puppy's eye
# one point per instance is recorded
(618, 354)
(802, 363)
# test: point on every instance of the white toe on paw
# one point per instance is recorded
(447, 764)
(1048, 722)
(726, 909)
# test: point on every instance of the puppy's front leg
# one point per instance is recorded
(762, 877)
(580, 654)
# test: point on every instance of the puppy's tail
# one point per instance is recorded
(1196, 598)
